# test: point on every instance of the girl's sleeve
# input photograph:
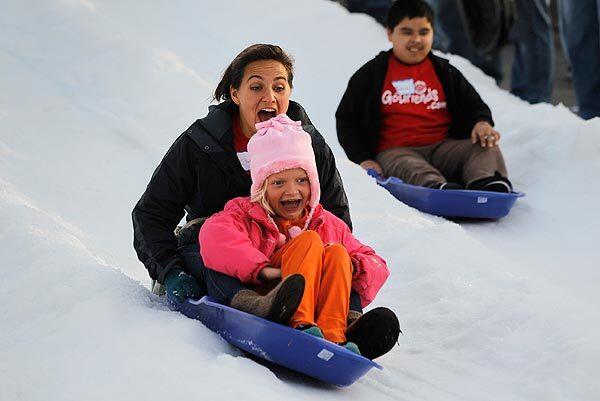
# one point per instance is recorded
(225, 246)
(370, 270)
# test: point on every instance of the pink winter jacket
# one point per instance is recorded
(240, 241)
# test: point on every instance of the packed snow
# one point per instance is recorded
(92, 94)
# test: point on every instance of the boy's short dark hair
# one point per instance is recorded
(401, 9)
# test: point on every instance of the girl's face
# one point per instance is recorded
(288, 192)
(263, 93)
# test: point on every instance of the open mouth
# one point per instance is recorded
(266, 114)
(291, 204)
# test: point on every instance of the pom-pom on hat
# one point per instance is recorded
(281, 144)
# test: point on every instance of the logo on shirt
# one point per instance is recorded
(409, 91)
(404, 86)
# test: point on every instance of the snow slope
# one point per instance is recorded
(93, 93)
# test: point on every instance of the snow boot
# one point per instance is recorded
(353, 316)
(350, 346)
(158, 288)
(375, 332)
(310, 329)
(279, 305)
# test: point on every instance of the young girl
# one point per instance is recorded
(282, 232)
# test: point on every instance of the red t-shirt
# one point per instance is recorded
(413, 106)
(240, 141)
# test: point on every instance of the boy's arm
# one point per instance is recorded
(474, 109)
(348, 117)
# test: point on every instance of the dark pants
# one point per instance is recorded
(580, 29)
(223, 287)
(449, 160)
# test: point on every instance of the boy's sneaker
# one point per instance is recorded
(495, 183)
(350, 346)
(450, 185)
(375, 333)
(310, 329)
(497, 186)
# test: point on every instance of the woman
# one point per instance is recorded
(207, 166)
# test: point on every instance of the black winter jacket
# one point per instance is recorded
(358, 116)
(200, 173)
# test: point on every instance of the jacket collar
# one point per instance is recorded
(220, 116)
(258, 214)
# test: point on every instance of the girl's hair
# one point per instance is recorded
(234, 73)
(261, 198)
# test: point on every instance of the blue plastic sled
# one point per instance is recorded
(450, 203)
(279, 344)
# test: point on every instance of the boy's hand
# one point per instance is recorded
(367, 164)
(269, 273)
(485, 134)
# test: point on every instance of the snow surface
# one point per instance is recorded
(92, 94)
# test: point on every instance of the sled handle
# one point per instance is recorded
(381, 180)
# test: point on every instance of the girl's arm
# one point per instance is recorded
(225, 246)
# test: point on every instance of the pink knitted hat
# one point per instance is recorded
(281, 144)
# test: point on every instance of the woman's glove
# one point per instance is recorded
(180, 285)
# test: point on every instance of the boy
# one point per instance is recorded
(410, 114)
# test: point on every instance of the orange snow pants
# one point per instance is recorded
(327, 271)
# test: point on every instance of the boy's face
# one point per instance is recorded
(412, 39)
(288, 192)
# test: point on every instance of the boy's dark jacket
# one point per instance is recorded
(200, 173)
(358, 117)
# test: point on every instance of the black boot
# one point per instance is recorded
(375, 332)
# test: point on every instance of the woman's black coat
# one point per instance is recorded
(200, 173)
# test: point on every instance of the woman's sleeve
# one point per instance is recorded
(225, 246)
(161, 208)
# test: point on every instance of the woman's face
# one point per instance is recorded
(263, 93)
(288, 192)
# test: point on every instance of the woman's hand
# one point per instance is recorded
(485, 134)
(367, 164)
(269, 273)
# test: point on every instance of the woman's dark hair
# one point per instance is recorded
(408, 9)
(234, 73)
